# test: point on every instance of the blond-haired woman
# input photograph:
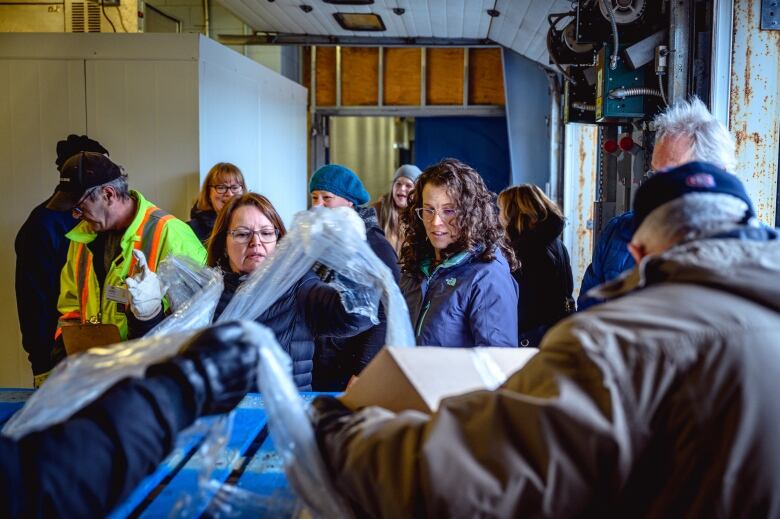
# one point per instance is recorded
(223, 182)
(389, 206)
(533, 226)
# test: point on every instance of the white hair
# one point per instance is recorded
(690, 217)
(119, 184)
(712, 142)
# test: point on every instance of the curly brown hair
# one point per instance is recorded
(477, 222)
(217, 242)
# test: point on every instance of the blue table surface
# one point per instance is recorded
(249, 461)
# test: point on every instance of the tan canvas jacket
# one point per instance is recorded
(664, 402)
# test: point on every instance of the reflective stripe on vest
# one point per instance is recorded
(148, 237)
(83, 265)
(83, 268)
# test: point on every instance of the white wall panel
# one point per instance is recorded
(41, 102)
(145, 113)
(139, 96)
(256, 119)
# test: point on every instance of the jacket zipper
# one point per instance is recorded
(422, 318)
(427, 305)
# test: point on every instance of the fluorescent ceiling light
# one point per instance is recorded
(349, 2)
(360, 21)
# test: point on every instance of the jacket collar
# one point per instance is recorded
(368, 214)
(452, 261)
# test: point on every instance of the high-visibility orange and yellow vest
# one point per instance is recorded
(153, 231)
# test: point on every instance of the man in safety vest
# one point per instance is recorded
(115, 221)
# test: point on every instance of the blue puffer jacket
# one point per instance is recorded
(464, 302)
(610, 257)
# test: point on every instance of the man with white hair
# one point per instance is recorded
(660, 402)
(685, 132)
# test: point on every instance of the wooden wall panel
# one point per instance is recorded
(402, 76)
(445, 76)
(359, 76)
(326, 76)
(486, 77)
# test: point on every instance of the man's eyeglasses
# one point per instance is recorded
(77, 212)
(244, 235)
(224, 188)
(426, 214)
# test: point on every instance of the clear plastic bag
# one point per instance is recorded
(80, 379)
(193, 293)
(332, 237)
(182, 278)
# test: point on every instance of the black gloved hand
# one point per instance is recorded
(219, 365)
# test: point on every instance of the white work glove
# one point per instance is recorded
(145, 290)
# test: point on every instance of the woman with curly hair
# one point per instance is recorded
(533, 225)
(456, 266)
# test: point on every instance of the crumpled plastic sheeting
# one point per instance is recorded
(293, 436)
(182, 278)
(193, 293)
(80, 379)
(332, 237)
(294, 440)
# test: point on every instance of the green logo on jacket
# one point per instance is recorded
(451, 281)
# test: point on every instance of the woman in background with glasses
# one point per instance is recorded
(456, 267)
(223, 182)
(245, 233)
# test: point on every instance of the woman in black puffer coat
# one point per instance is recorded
(534, 224)
(246, 231)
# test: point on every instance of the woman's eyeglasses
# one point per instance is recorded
(244, 235)
(224, 188)
(426, 214)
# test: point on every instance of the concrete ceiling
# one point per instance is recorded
(521, 25)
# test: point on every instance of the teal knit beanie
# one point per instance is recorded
(340, 181)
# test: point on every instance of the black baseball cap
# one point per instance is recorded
(75, 144)
(693, 177)
(80, 173)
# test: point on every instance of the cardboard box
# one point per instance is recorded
(419, 378)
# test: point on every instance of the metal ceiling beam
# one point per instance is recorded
(346, 41)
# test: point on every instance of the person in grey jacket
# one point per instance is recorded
(660, 402)
(456, 265)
